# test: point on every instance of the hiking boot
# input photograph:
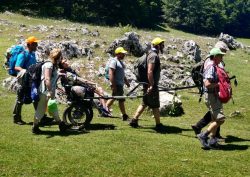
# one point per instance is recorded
(125, 117)
(134, 123)
(47, 121)
(196, 130)
(220, 138)
(63, 126)
(160, 128)
(36, 130)
(19, 122)
(213, 143)
(203, 139)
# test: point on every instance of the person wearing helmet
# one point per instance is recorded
(117, 79)
(151, 91)
(211, 84)
(24, 60)
(207, 117)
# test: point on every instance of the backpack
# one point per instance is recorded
(197, 75)
(33, 79)
(225, 89)
(15, 51)
(140, 69)
(106, 74)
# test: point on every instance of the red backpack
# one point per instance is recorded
(225, 89)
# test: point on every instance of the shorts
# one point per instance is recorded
(215, 106)
(119, 92)
(152, 100)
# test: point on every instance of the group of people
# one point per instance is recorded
(57, 65)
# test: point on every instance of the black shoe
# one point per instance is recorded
(19, 122)
(134, 123)
(196, 130)
(36, 130)
(160, 128)
(63, 127)
(47, 121)
(125, 117)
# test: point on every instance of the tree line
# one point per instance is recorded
(197, 16)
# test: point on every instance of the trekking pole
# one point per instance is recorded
(115, 97)
(176, 88)
(131, 91)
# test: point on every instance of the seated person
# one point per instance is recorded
(74, 78)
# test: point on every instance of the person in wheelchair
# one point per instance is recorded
(81, 86)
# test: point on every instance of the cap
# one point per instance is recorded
(31, 40)
(221, 45)
(216, 51)
(120, 50)
(157, 41)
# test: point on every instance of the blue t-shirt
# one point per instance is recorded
(24, 60)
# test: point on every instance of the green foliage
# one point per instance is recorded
(209, 16)
(201, 17)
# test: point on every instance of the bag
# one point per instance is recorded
(15, 51)
(197, 74)
(106, 74)
(33, 79)
(225, 89)
(140, 69)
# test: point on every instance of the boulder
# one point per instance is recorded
(170, 104)
(192, 50)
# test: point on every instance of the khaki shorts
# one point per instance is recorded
(215, 106)
(152, 100)
(119, 92)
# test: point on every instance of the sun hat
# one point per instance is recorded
(31, 39)
(157, 41)
(120, 50)
(216, 51)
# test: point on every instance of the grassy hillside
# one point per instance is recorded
(123, 151)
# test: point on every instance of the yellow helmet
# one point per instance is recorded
(157, 41)
(120, 50)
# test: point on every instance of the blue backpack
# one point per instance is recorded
(15, 51)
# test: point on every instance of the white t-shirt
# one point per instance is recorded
(54, 76)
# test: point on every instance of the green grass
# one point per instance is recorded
(125, 151)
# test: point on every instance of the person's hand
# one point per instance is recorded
(49, 95)
(114, 88)
(149, 90)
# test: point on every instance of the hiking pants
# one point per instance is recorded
(19, 103)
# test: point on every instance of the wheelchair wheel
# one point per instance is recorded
(78, 116)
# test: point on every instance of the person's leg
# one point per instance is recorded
(202, 123)
(109, 103)
(134, 122)
(17, 117)
(156, 113)
(40, 111)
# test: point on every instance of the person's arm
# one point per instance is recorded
(47, 80)
(209, 84)
(126, 81)
(150, 74)
(20, 62)
(112, 78)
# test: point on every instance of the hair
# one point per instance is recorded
(54, 55)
